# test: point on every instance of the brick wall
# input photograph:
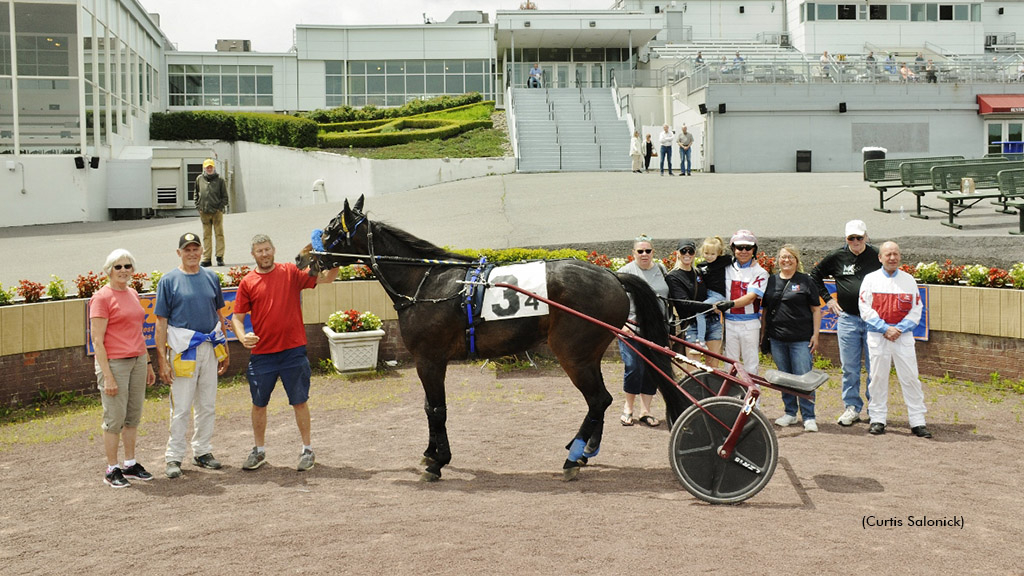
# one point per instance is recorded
(964, 356)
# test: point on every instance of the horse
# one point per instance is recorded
(425, 283)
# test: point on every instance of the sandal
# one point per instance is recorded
(627, 419)
(648, 420)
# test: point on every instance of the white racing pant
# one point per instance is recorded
(198, 392)
(883, 354)
(742, 342)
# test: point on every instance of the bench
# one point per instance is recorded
(917, 179)
(1019, 205)
(885, 174)
(1002, 188)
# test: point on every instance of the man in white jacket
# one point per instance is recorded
(890, 305)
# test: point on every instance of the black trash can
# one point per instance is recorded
(873, 153)
(803, 160)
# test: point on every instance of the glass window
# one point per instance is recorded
(1013, 132)
(554, 54)
(961, 12)
(357, 67)
(878, 12)
(211, 84)
(474, 66)
(176, 84)
(247, 100)
(995, 134)
(357, 85)
(264, 84)
(230, 99)
(435, 66)
(208, 69)
(246, 69)
(395, 100)
(395, 84)
(899, 12)
(826, 11)
(454, 66)
(333, 67)
(175, 69)
(809, 11)
(334, 84)
(933, 12)
(229, 84)
(454, 84)
(264, 100)
(265, 70)
(475, 83)
(414, 84)
(375, 67)
(435, 84)
(529, 55)
(246, 85)
(376, 100)
(395, 67)
(229, 69)
(918, 12)
(375, 85)
(357, 100)
(193, 84)
(945, 12)
(975, 12)
(847, 11)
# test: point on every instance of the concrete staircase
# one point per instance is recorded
(569, 130)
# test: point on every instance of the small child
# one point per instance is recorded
(713, 270)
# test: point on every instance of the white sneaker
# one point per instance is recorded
(786, 420)
(810, 426)
(849, 417)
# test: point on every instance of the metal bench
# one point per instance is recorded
(917, 179)
(986, 177)
(885, 174)
(1019, 205)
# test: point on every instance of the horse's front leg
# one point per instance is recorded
(438, 453)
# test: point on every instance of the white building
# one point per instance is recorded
(79, 79)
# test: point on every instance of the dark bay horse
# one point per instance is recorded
(434, 322)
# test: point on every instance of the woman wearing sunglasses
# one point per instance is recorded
(688, 293)
(634, 384)
(745, 282)
(123, 369)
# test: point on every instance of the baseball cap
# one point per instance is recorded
(686, 243)
(209, 162)
(188, 238)
(743, 238)
(856, 228)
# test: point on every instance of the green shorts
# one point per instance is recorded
(125, 408)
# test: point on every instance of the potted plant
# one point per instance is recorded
(354, 339)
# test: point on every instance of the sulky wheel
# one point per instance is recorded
(710, 380)
(693, 451)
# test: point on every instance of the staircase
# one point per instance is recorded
(569, 130)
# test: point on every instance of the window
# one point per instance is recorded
(826, 11)
(918, 12)
(899, 12)
(945, 12)
(878, 12)
(809, 11)
(961, 12)
(847, 11)
(213, 85)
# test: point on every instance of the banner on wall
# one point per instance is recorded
(829, 320)
(149, 324)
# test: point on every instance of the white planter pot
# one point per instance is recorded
(354, 351)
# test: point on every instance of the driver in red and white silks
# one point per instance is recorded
(890, 305)
(745, 281)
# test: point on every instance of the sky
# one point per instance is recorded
(194, 25)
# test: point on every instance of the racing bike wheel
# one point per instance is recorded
(700, 381)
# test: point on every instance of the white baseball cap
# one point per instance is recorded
(856, 228)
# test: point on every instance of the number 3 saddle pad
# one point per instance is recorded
(506, 303)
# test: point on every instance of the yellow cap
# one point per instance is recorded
(209, 162)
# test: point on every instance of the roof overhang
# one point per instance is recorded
(575, 28)
(1000, 103)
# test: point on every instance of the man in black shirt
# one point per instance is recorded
(848, 266)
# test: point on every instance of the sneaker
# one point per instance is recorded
(810, 426)
(207, 461)
(254, 460)
(173, 469)
(137, 472)
(306, 460)
(921, 431)
(115, 479)
(786, 420)
(849, 417)
(877, 428)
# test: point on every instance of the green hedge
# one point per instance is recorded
(349, 114)
(273, 129)
(511, 255)
(422, 129)
(486, 109)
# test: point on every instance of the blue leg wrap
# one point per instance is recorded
(596, 451)
(576, 449)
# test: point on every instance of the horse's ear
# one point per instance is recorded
(346, 208)
(359, 204)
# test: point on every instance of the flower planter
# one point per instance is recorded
(354, 351)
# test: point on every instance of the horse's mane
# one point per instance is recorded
(420, 246)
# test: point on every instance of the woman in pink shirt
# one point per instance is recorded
(123, 369)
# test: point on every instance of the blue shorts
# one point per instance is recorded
(714, 329)
(291, 366)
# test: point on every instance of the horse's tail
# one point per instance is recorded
(652, 325)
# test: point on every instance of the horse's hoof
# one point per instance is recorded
(570, 474)
(429, 477)
(583, 461)
(427, 461)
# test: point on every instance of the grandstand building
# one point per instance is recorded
(764, 85)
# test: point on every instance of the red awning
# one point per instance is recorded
(1000, 103)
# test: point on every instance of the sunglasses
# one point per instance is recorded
(743, 248)
(645, 251)
(125, 266)
(854, 238)
(687, 251)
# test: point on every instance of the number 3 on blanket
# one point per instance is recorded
(506, 303)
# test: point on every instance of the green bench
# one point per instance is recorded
(885, 174)
(917, 178)
(1019, 205)
(1000, 181)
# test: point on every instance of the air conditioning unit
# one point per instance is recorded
(784, 39)
(991, 41)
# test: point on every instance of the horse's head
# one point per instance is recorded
(346, 233)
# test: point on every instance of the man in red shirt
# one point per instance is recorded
(271, 294)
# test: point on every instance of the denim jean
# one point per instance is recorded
(666, 156)
(633, 381)
(795, 358)
(853, 333)
(685, 164)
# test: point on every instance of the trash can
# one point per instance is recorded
(873, 153)
(803, 160)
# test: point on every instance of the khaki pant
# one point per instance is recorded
(213, 223)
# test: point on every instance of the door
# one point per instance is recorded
(1005, 136)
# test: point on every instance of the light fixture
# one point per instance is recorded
(593, 24)
(94, 162)
(741, 10)
(842, 107)
(526, 24)
(721, 108)
(80, 162)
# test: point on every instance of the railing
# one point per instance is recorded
(510, 122)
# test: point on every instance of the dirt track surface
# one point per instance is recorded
(501, 507)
